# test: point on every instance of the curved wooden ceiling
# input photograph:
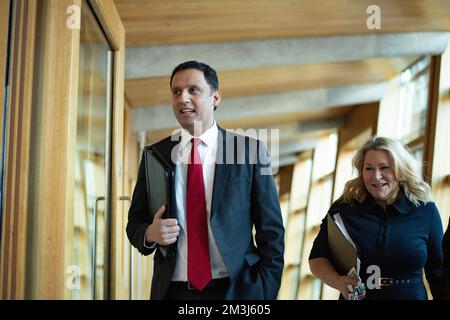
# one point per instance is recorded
(161, 24)
(154, 22)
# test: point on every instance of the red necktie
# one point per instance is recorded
(199, 265)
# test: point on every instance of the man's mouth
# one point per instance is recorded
(187, 110)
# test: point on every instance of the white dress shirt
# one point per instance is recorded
(208, 151)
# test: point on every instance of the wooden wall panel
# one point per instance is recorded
(285, 175)
(360, 119)
(15, 211)
(4, 19)
(108, 16)
(118, 236)
(53, 150)
(123, 252)
(430, 129)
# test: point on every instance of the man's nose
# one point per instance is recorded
(183, 97)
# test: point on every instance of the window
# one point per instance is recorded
(295, 225)
(413, 107)
(92, 175)
(319, 201)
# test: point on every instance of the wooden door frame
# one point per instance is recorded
(15, 197)
(41, 147)
(110, 21)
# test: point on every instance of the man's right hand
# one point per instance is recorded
(162, 231)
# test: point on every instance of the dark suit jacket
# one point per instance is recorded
(446, 248)
(242, 198)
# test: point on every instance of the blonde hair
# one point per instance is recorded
(406, 169)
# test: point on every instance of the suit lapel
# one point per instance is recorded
(221, 172)
(170, 147)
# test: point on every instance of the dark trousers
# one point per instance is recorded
(215, 290)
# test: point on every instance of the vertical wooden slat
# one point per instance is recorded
(122, 284)
(118, 229)
(53, 150)
(430, 128)
(108, 16)
(130, 164)
(285, 181)
(4, 22)
(17, 150)
(7, 195)
(12, 186)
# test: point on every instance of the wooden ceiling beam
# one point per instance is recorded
(153, 22)
(147, 92)
(248, 111)
(154, 61)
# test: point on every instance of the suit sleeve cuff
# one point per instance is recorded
(149, 245)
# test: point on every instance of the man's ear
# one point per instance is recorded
(217, 96)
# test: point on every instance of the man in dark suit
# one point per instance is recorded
(223, 188)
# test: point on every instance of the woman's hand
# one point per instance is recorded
(324, 270)
(341, 283)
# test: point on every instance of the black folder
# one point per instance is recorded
(344, 254)
(160, 189)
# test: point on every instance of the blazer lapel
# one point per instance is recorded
(221, 172)
(170, 147)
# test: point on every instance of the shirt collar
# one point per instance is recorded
(403, 205)
(209, 137)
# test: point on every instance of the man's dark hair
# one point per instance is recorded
(208, 72)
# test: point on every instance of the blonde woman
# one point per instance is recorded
(395, 225)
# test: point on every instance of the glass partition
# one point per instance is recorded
(92, 176)
(414, 100)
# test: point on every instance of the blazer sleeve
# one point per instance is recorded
(434, 264)
(139, 217)
(268, 222)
